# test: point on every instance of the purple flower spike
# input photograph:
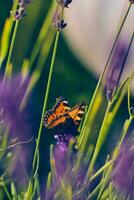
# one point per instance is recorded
(116, 68)
(24, 1)
(123, 173)
(60, 157)
(64, 3)
(20, 12)
(57, 22)
(131, 1)
(63, 141)
(62, 163)
(65, 170)
(61, 151)
(11, 94)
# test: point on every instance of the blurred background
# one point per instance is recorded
(82, 53)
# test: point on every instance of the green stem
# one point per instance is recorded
(94, 177)
(11, 47)
(116, 152)
(6, 191)
(94, 192)
(110, 113)
(104, 182)
(110, 163)
(45, 49)
(42, 35)
(43, 110)
(46, 95)
(101, 170)
(125, 130)
(104, 70)
(100, 137)
(128, 100)
(5, 38)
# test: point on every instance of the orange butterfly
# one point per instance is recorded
(63, 117)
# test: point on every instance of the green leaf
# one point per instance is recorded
(13, 192)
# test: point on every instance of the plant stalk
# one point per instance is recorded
(11, 48)
(43, 111)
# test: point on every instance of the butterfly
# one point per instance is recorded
(64, 118)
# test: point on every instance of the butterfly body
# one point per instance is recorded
(64, 119)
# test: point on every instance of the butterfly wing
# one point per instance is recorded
(59, 122)
(61, 106)
(53, 117)
(76, 113)
(70, 121)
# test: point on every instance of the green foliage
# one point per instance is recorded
(33, 66)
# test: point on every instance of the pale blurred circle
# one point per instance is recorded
(92, 27)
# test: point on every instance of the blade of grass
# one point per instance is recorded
(6, 190)
(5, 38)
(94, 192)
(11, 48)
(87, 127)
(125, 130)
(13, 192)
(46, 46)
(102, 135)
(108, 119)
(49, 181)
(108, 164)
(47, 94)
(42, 34)
(43, 110)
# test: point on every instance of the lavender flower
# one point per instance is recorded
(63, 141)
(18, 166)
(64, 3)
(20, 12)
(131, 1)
(61, 150)
(116, 68)
(57, 22)
(23, 2)
(123, 173)
(59, 25)
(11, 94)
(64, 170)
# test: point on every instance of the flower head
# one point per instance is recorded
(66, 171)
(131, 1)
(18, 169)
(64, 3)
(20, 12)
(11, 94)
(23, 2)
(63, 141)
(116, 68)
(123, 173)
(15, 121)
(58, 23)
